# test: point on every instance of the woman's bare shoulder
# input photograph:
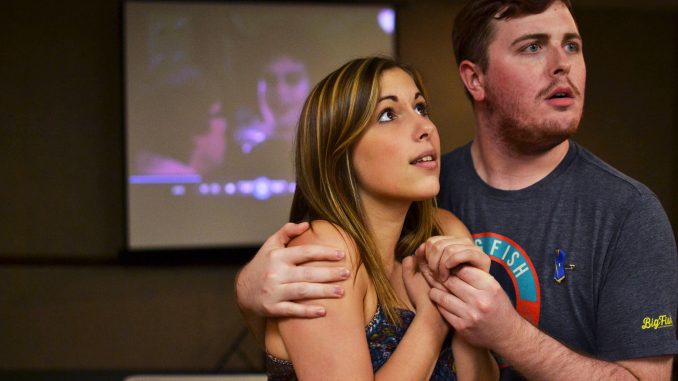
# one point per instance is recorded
(451, 225)
(325, 233)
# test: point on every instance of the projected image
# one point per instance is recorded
(213, 96)
(281, 92)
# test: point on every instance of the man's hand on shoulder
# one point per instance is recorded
(273, 280)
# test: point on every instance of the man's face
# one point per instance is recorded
(534, 83)
(288, 85)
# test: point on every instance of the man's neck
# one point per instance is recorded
(508, 170)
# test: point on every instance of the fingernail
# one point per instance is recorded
(338, 291)
(340, 254)
(344, 273)
(319, 312)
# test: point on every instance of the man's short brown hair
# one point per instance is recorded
(473, 30)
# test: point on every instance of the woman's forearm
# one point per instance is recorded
(473, 363)
(418, 351)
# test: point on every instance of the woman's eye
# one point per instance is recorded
(421, 109)
(387, 115)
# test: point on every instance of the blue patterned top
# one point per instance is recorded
(382, 338)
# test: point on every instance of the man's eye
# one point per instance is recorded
(572, 47)
(421, 109)
(387, 115)
(532, 48)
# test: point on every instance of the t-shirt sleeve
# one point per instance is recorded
(638, 301)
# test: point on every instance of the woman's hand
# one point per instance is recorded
(418, 291)
(441, 255)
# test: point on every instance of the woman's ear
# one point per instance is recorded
(473, 78)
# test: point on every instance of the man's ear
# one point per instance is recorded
(473, 78)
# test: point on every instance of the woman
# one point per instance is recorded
(367, 165)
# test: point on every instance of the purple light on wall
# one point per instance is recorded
(262, 188)
(245, 187)
(386, 20)
(278, 186)
(165, 179)
(230, 188)
(178, 190)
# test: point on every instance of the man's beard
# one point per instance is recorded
(523, 137)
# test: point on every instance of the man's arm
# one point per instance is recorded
(479, 310)
(270, 283)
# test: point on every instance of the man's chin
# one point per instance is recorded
(536, 140)
(531, 145)
(538, 148)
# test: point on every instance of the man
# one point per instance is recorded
(585, 254)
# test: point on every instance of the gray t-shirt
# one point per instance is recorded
(618, 298)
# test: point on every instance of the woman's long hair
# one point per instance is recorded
(334, 117)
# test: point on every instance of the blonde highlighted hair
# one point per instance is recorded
(333, 119)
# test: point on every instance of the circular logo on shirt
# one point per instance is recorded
(514, 270)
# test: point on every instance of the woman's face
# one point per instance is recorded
(398, 156)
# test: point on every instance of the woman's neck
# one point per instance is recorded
(385, 220)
